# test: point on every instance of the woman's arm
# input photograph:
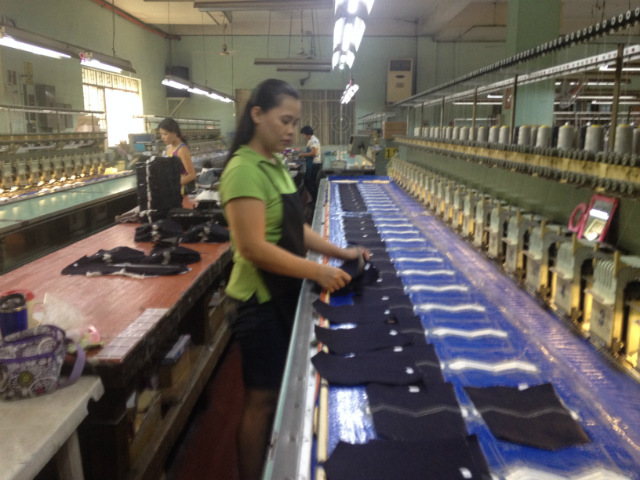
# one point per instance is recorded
(185, 155)
(246, 217)
(314, 242)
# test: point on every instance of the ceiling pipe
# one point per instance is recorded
(136, 21)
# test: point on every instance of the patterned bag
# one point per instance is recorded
(31, 360)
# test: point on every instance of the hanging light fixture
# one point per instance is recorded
(192, 87)
(348, 30)
(349, 91)
(17, 38)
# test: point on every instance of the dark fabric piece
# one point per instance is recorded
(445, 459)
(364, 338)
(359, 314)
(88, 266)
(118, 255)
(415, 413)
(209, 232)
(397, 366)
(166, 231)
(361, 230)
(350, 198)
(362, 273)
(535, 416)
(173, 254)
(189, 217)
(158, 186)
(263, 340)
(386, 280)
(390, 368)
(356, 237)
(382, 296)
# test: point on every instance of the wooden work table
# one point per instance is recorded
(137, 319)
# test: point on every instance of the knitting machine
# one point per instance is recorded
(540, 256)
(471, 199)
(34, 161)
(517, 240)
(482, 220)
(457, 206)
(498, 221)
(615, 281)
(571, 275)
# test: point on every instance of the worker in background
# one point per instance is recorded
(269, 241)
(177, 147)
(313, 161)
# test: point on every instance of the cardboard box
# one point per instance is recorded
(391, 129)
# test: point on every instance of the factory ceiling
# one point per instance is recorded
(442, 20)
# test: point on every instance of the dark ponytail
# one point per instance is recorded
(170, 125)
(267, 95)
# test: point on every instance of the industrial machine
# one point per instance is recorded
(541, 255)
(517, 241)
(498, 220)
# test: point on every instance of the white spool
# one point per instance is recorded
(566, 137)
(543, 136)
(464, 133)
(624, 139)
(524, 135)
(503, 136)
(534, 132)
(456, 133)
(494, 134)
(483, 134)
(448, 131)
(594, 139)
(635, 147)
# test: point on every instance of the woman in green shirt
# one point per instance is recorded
(269, 241)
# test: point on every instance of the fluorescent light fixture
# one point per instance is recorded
(11, 37)
(477, 103)
(182, 84)
(493, 95)
(105, 62)
(14, 37)
(605, 97)
(303, 68)
(261, 5)
(609, 68)
(348, 30)
(297, 61)
(349, 91)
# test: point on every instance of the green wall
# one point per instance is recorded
(85, 23)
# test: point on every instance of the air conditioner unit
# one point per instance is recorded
(399, 80)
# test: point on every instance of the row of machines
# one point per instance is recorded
(596, 289)
(31, 160)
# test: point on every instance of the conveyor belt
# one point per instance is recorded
(606, 401)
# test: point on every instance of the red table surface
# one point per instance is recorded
(110, 303)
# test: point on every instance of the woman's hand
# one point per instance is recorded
(353, 253)
(332, 278)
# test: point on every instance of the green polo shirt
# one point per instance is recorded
(244, 177)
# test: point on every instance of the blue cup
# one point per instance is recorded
(13, 313)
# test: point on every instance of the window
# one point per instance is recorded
(119, 97)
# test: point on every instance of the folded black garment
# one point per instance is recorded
(415, 412)
(208, 232)
(94, 267)
(365, 338)
(387, 367)
(166, 231)
(384, 297)
(534, 416)
(362, 273)
(356, 237)
(118, 255)
(173, 254)
(443, 459)
(360, 230)
(361, 313)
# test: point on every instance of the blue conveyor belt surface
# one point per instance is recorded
(540, 346)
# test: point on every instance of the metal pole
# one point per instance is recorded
(473, 114)
(616, 99)
(513, 109)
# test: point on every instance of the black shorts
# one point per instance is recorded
(264, 342)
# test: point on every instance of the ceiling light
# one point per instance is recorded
(105, 62)
(349, 91)
(262, 5)
(348, 30)
(21, 40)
(182, 84)
(320, 62)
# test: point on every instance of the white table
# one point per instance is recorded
(33, 430)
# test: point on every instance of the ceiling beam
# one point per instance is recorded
(262, 5)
